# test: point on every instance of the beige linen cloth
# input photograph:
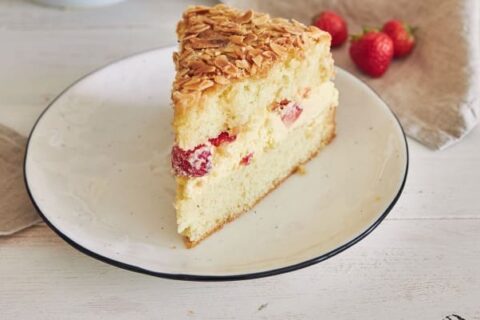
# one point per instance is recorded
(434, 92)
(16, 210)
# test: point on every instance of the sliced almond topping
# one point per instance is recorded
(237, 39)
(246, 17)
(183, 62)
(226, 66)
(190, 36)
(228, 27)
(253, 70)
(201, 67)
(260, 19)
(205, 56)
(252, 52)
(250, 38)
(292, 30)
(240, 52)
(198, 28)
(230, 48)
(177, 96)
(198, 43)
(230, 69)
(298, 24)
(279, 28)
(221, 44)
(192, 83)
(221, 80)
(186, 52)
(198, 10)
(181, 81)
(207, 20)
(243, 64)
(283, 41)
(221, 61)
(297, 42)
(205, 84)
(280, 21)
(258, 60)
(232, 56)
(175, 57)
(182, 73)
(197, 64)
(278, 49)
(269, 55)
(211, 34)
(313, 29)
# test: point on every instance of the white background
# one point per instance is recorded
(423, 262)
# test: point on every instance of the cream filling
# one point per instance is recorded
(263, 131)
(318, 101)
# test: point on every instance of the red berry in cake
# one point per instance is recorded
(334, 24)
(246, 160)
(222, 138)
(289, 111)
(402, 37)
(192, 163)
(372, 52)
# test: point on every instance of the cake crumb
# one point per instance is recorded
(262, 306)
(301, 170)
(173, 247)
(306, 92)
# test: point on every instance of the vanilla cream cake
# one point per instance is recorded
(253, 99)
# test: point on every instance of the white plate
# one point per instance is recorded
(97, 168)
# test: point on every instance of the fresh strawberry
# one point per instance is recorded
(334, 24)
(222, 138)
(402, 37)
(289, 111)
(192, 163)
(246, 160)
(372, 52)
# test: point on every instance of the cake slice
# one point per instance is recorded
(253, 99)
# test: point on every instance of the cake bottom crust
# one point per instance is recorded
(324, 142)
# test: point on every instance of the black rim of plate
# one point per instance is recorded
(193, 277)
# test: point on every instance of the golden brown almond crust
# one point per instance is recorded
(190, 244)
(220, 44)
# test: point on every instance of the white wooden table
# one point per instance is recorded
(423, 262)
